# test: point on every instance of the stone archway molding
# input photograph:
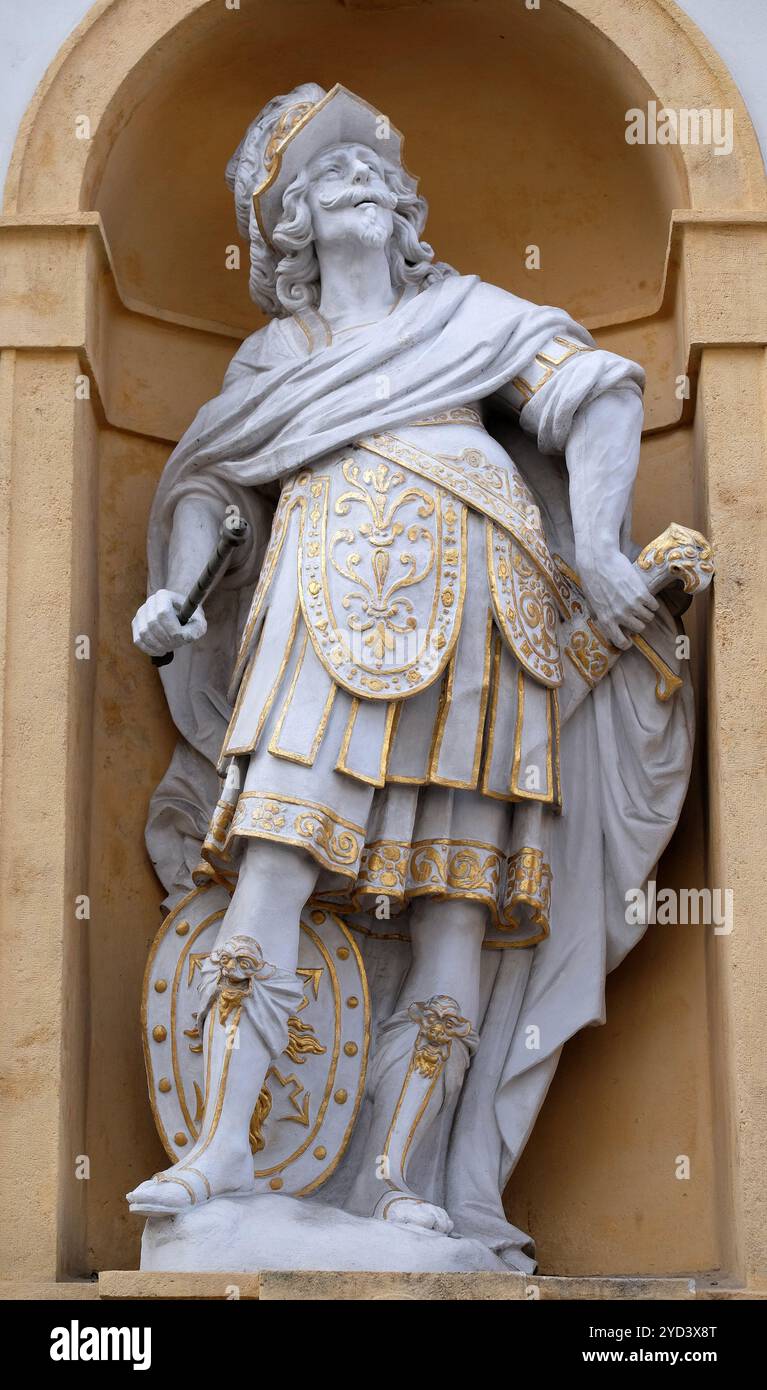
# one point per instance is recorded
(119, 48)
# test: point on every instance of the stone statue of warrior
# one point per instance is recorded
(422, 696)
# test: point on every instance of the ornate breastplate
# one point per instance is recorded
(381, 534)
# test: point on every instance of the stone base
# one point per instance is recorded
(49, 1290)
(284, 1233)
(307, 1286)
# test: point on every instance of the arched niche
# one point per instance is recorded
(522, 145)
(515, 121)
(503, 169)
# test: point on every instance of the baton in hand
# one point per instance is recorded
(234, 532)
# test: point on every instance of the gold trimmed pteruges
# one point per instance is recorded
(456, 870)
(545, 364)
(335, 843)
(279, 531)
(524, 606)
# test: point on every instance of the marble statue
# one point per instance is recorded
(433, 727)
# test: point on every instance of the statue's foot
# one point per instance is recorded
(409, 1210)
(193, 1181)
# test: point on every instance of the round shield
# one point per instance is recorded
(311, 1093)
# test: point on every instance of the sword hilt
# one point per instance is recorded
(234, 532)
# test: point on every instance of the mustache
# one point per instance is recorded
(357, 193)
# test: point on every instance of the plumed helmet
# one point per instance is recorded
(288, 133)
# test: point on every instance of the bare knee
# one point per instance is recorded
(447, 945)
(268, 869)
(273, 884)
(447, 926)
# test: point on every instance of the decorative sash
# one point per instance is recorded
(499, 493)
(527, 588)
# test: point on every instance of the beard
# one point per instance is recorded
(373, 233)
(369, 229)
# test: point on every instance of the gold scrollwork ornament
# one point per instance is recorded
(678, 554)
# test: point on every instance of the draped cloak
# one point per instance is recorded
(624, 756)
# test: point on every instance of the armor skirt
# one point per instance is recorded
(445, 791)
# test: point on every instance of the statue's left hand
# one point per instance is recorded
(620, 600)
(156, 628)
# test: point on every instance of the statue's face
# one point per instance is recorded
(348, 197)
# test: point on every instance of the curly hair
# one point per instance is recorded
(287, 280)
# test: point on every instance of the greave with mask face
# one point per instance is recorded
(421, 1058)
(246, 1007)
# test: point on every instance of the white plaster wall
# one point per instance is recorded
(32, 31)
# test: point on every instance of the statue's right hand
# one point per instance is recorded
(156, 628)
